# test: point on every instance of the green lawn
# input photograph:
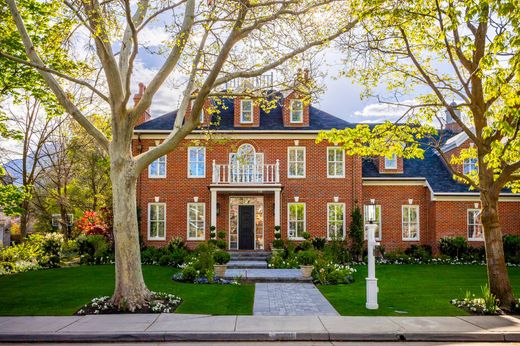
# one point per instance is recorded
(412, 290)
(64, 291)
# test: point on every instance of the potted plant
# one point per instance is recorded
(306, 259)
(221, 259)
(278, 245)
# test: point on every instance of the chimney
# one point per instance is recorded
(451, 124)
(137, 97)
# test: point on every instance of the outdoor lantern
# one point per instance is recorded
(156, 198)
(476, 205)
(296, 198)
(371, 212)
(195, 199)
(336, 199)
(410, 201)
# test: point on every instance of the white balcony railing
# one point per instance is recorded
(246, 174)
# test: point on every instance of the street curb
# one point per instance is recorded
(254, 336)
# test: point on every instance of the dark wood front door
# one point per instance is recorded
(246, 227)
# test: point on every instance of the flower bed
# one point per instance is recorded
(488, 304)
(159, 303)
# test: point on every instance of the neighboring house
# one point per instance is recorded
(269, 171)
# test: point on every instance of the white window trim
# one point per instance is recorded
(465, 164)
(150, 221)
(344, 219)
(394, 160)
(380, 222)
(150, 176)
(343, 158)
(291, 112)
(304, 219)
(467, 222)
(418, 221)
(188, 169)
(188, 221)
(304, 163)
(242, 121)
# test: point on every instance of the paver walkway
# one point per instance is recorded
(264, 275)
(290, 299)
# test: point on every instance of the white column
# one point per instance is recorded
(213, 208)
(371, 280)
(277, 208)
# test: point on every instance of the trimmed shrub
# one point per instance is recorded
(454, 247)
(221, 257)
(512, 248)
(421, 252)
(307, 257)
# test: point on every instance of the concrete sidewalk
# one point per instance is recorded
(180, 327)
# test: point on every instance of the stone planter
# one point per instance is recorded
(306, 271)
(220, 270)
(276, 252)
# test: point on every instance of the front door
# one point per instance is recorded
(246, 227)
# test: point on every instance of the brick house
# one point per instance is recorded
(255, 170)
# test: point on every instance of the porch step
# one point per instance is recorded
(249, 255)
(246, 264)
(266, 275)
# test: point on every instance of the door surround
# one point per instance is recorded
(259, 224)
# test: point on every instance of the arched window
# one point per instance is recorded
(246, 165)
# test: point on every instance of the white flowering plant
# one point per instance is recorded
(488, 304)
(159, 302)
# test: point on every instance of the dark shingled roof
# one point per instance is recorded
(272, 121)
(431, 168)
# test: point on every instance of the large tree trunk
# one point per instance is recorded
(24, 219)
(130, 292)
(498, 277)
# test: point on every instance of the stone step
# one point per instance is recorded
(245, 264)
(249, 255)
(265, 275)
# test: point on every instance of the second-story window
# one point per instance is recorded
(246, 111)
(469, 166)
(296, 111)
(196, 162)
(391, 163)
(335, 162)
(296, 162)
(157, 169)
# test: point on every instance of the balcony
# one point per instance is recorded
(246, 174)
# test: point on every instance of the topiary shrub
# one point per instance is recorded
(278, 244)
(356, 232)
(454, 247)
(221, 257)
(307, 257)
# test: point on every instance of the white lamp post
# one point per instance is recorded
(371, 280)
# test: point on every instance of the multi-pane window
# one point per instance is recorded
(474, 225)
(157, 169)
(296, 219)
(196, 162)
(335, 162)
(469, 166)
(336, 220)
(410, 222)
(377, 221)
(296, 162)
(296, 111)
(391, 163)
(156, 221)
(196, 221)
(246, 111)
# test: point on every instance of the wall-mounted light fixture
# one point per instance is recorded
(296, 142)
(296, 199)
(195, 199)
(410, 200)
(372, 201)
(156, 198)
(476, 205)
(336, 199)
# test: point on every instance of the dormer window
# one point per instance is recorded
(391, 163)
(296, 111)
(246, 111)
(469, 166)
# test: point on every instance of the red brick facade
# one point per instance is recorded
(439, 214)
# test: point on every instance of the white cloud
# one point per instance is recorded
(384, 110)
(153, 36)
(165, 100)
